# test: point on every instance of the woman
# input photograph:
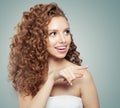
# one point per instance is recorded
(45, 67)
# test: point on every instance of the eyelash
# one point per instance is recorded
(66, 32)
(52, 34)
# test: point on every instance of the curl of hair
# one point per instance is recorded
(73, 54)
(28, 65)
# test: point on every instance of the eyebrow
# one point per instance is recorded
(68, 28)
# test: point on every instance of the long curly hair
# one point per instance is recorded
(28, 60)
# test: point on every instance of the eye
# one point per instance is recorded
(67, 32)
(52, 34)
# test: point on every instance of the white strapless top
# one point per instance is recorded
(64, 101)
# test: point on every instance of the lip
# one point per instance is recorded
(61, 49)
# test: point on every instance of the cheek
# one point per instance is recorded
(51, 42)
(69, 40)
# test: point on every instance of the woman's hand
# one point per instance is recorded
(68, 74)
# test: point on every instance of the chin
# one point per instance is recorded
(59, 56)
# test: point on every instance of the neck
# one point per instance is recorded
(56, 64)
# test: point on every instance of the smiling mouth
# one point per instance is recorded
(61, 48)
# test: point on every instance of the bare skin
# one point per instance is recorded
(78, 82)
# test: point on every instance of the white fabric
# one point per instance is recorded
(64, 101)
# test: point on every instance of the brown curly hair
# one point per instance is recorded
(28, 62)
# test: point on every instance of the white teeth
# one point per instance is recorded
(60, 48)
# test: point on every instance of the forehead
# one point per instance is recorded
(58, 22)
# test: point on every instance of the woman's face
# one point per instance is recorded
(59, 37)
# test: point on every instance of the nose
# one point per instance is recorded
(62, 38)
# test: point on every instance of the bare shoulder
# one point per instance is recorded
(86, 79)
(86, 75)
(87, 89)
